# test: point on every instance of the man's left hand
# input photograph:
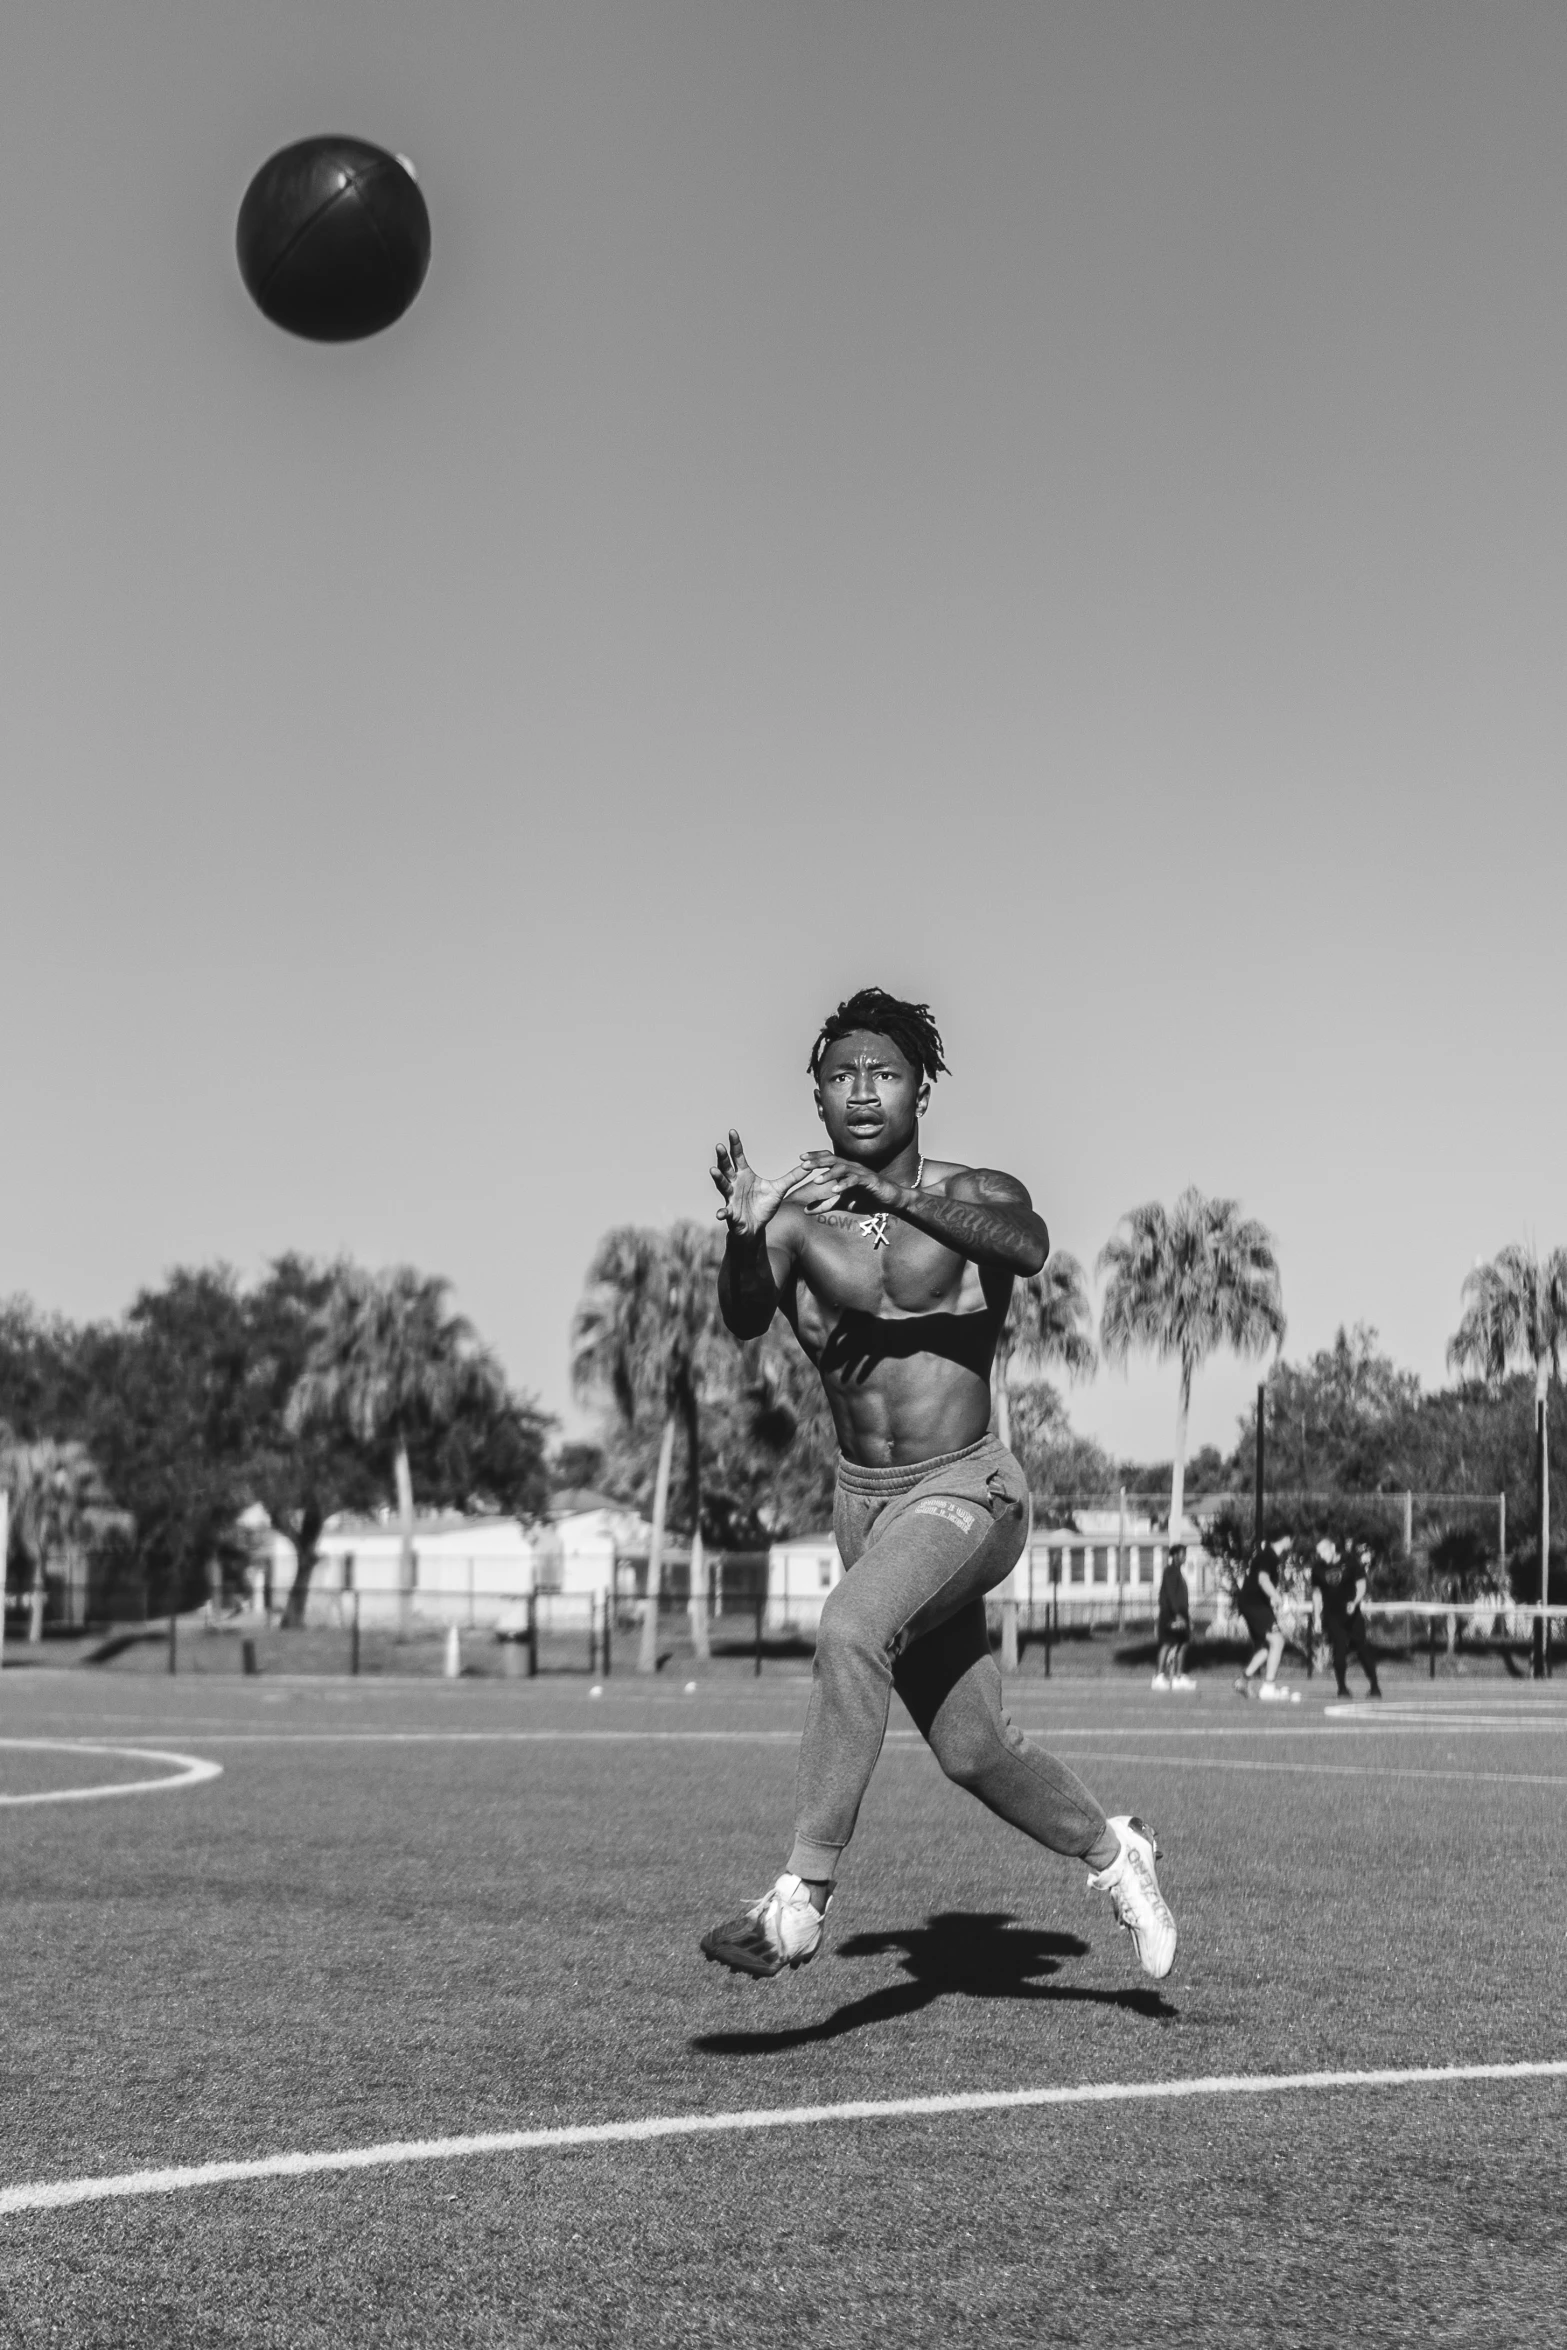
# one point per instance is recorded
(832, 1179)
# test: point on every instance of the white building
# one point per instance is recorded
(1102, 1569)
(467, 1570)
(800, 1574)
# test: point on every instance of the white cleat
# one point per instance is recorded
(1160, 1681)
(783, 1929)
(1274, 1693)
(1183, 1681)
(1140, 1908)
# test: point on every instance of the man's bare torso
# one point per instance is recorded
(903, 1334)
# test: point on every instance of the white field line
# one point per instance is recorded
(498, 1737)
(1052, 1733)
(911, 1738)
(56, 2194)
(1325, 1770)
(1412, 1725)
(188, 1770)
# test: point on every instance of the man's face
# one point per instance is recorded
(869, 1097)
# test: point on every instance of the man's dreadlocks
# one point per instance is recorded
(908, 1026)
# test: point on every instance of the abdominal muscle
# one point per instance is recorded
(910, 1418)
(908, 1411)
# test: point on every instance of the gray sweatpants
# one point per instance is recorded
(922, 1546)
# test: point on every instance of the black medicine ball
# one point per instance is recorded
(333, 239)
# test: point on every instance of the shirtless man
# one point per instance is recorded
(895, 1272)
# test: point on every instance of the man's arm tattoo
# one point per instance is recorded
(1001, 1231)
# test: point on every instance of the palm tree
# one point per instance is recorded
(1049, 1320)
(1183, 1283)
(643, 1336)
(57, 1499)
(1516, 1310)
(389, 1360)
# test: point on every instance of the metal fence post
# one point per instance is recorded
(174, 1637)
(761, 1604)
(533, 1635)
(609, 1610)
(1120, 1564)
(353, 1639)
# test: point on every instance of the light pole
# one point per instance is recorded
(1542, 1457)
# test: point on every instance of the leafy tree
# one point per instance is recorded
(184, 1406)
(300, 1476)
(1061, 1466)
(644, 1338)
(576, 1466)
(1183, 1283)
(1342, 1419)
(395, 1368)
(1516, 1309)
(165, 1404)
(58, 1503)
(773, 1458)
(40, 1390)
(1049, 1322)
(1463, 1564)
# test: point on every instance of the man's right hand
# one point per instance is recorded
(751, 1201)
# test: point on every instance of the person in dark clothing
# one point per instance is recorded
(1338, 1589)
(1258, 1602)
(1175, 1624)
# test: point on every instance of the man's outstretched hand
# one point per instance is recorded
(750, 1200)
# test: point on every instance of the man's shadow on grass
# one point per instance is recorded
(984, 1955)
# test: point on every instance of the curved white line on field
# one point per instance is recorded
(188, 1770)
(54, 2194)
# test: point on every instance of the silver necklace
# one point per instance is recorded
(875, 1227)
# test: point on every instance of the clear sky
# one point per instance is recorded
(1057, 509)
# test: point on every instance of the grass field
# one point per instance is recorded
(408, 1911)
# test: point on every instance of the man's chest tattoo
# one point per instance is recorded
(876, 1229)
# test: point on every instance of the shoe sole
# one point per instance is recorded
(741, 1962)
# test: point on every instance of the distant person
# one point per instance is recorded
(1339, 1581)
(1175, 1623)
(1259, 1600)
(895, 1272)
